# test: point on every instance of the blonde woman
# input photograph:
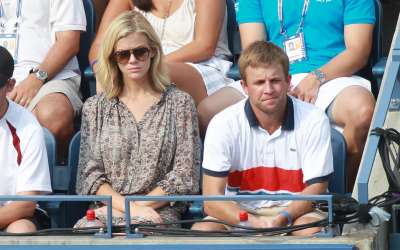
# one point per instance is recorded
(193, 36)
(139, 136)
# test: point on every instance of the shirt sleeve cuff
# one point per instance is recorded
(319, 179)
(215, 173)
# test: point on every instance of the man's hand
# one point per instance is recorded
(307, 89)
(25, 91)
(260, 221)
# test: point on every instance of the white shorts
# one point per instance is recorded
(213, 72)
(69, 87)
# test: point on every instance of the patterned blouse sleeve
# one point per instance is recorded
(185, 174)
(91, 173)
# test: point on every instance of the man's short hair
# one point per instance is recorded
(261, 53)
(6, 66)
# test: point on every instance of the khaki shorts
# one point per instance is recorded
(273, 211)
(69, 87)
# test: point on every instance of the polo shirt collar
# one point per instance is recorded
(288, 121)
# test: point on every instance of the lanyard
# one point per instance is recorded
(17, 12)
(280, 16)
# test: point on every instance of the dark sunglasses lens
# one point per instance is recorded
(122, 56)
(141, 54)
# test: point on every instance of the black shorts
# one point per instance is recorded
(40, 219)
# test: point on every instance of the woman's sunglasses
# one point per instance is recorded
(140, 53)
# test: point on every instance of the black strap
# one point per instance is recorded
(389, 150)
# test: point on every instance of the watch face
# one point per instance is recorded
(41, 75)
(320, 75)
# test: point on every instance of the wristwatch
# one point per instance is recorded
(321, 77)
(40, 74)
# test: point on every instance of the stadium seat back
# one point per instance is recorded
(51, 207)
(73, 160)
(73, 211)
(233, 38)
(338, 181)
(379, 62)
(368, 71)
(85, 43)
(376, 52)
(50, 142)
(232, 28)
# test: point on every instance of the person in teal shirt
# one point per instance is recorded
(324, 25)
(333, 40)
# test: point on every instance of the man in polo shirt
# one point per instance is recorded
(23, 159)
(269, 143)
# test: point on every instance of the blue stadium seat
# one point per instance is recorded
(73, 160)
(50, 207)
(195, 209)
(379, 61)
(65, 214)
(376, 52)
(376, 63)
(379, 69)
(233, 39)
(73, 211)
(85, 43)
(338, 182)
(50, 142)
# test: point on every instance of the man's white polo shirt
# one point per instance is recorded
(296, 155)
(23, 157)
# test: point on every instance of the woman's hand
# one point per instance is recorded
(145, 213)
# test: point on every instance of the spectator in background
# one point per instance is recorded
(266, 144)
(47, 34)
(139, 136)
(193, 37)
(23, 158)
(334, 46)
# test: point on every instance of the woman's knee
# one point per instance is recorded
(205, 111)
(21, 226)
(215, 103)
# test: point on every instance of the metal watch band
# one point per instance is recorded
(320, 76)
(39, 74)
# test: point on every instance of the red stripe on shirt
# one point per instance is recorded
(267, 178)
(16, 142)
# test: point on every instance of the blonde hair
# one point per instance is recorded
(262, 53)
(108, 72)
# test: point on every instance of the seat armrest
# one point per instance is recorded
(379, 68)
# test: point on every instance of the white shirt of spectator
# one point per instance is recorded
(41, 19)
(297, 154)
(23, 157)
